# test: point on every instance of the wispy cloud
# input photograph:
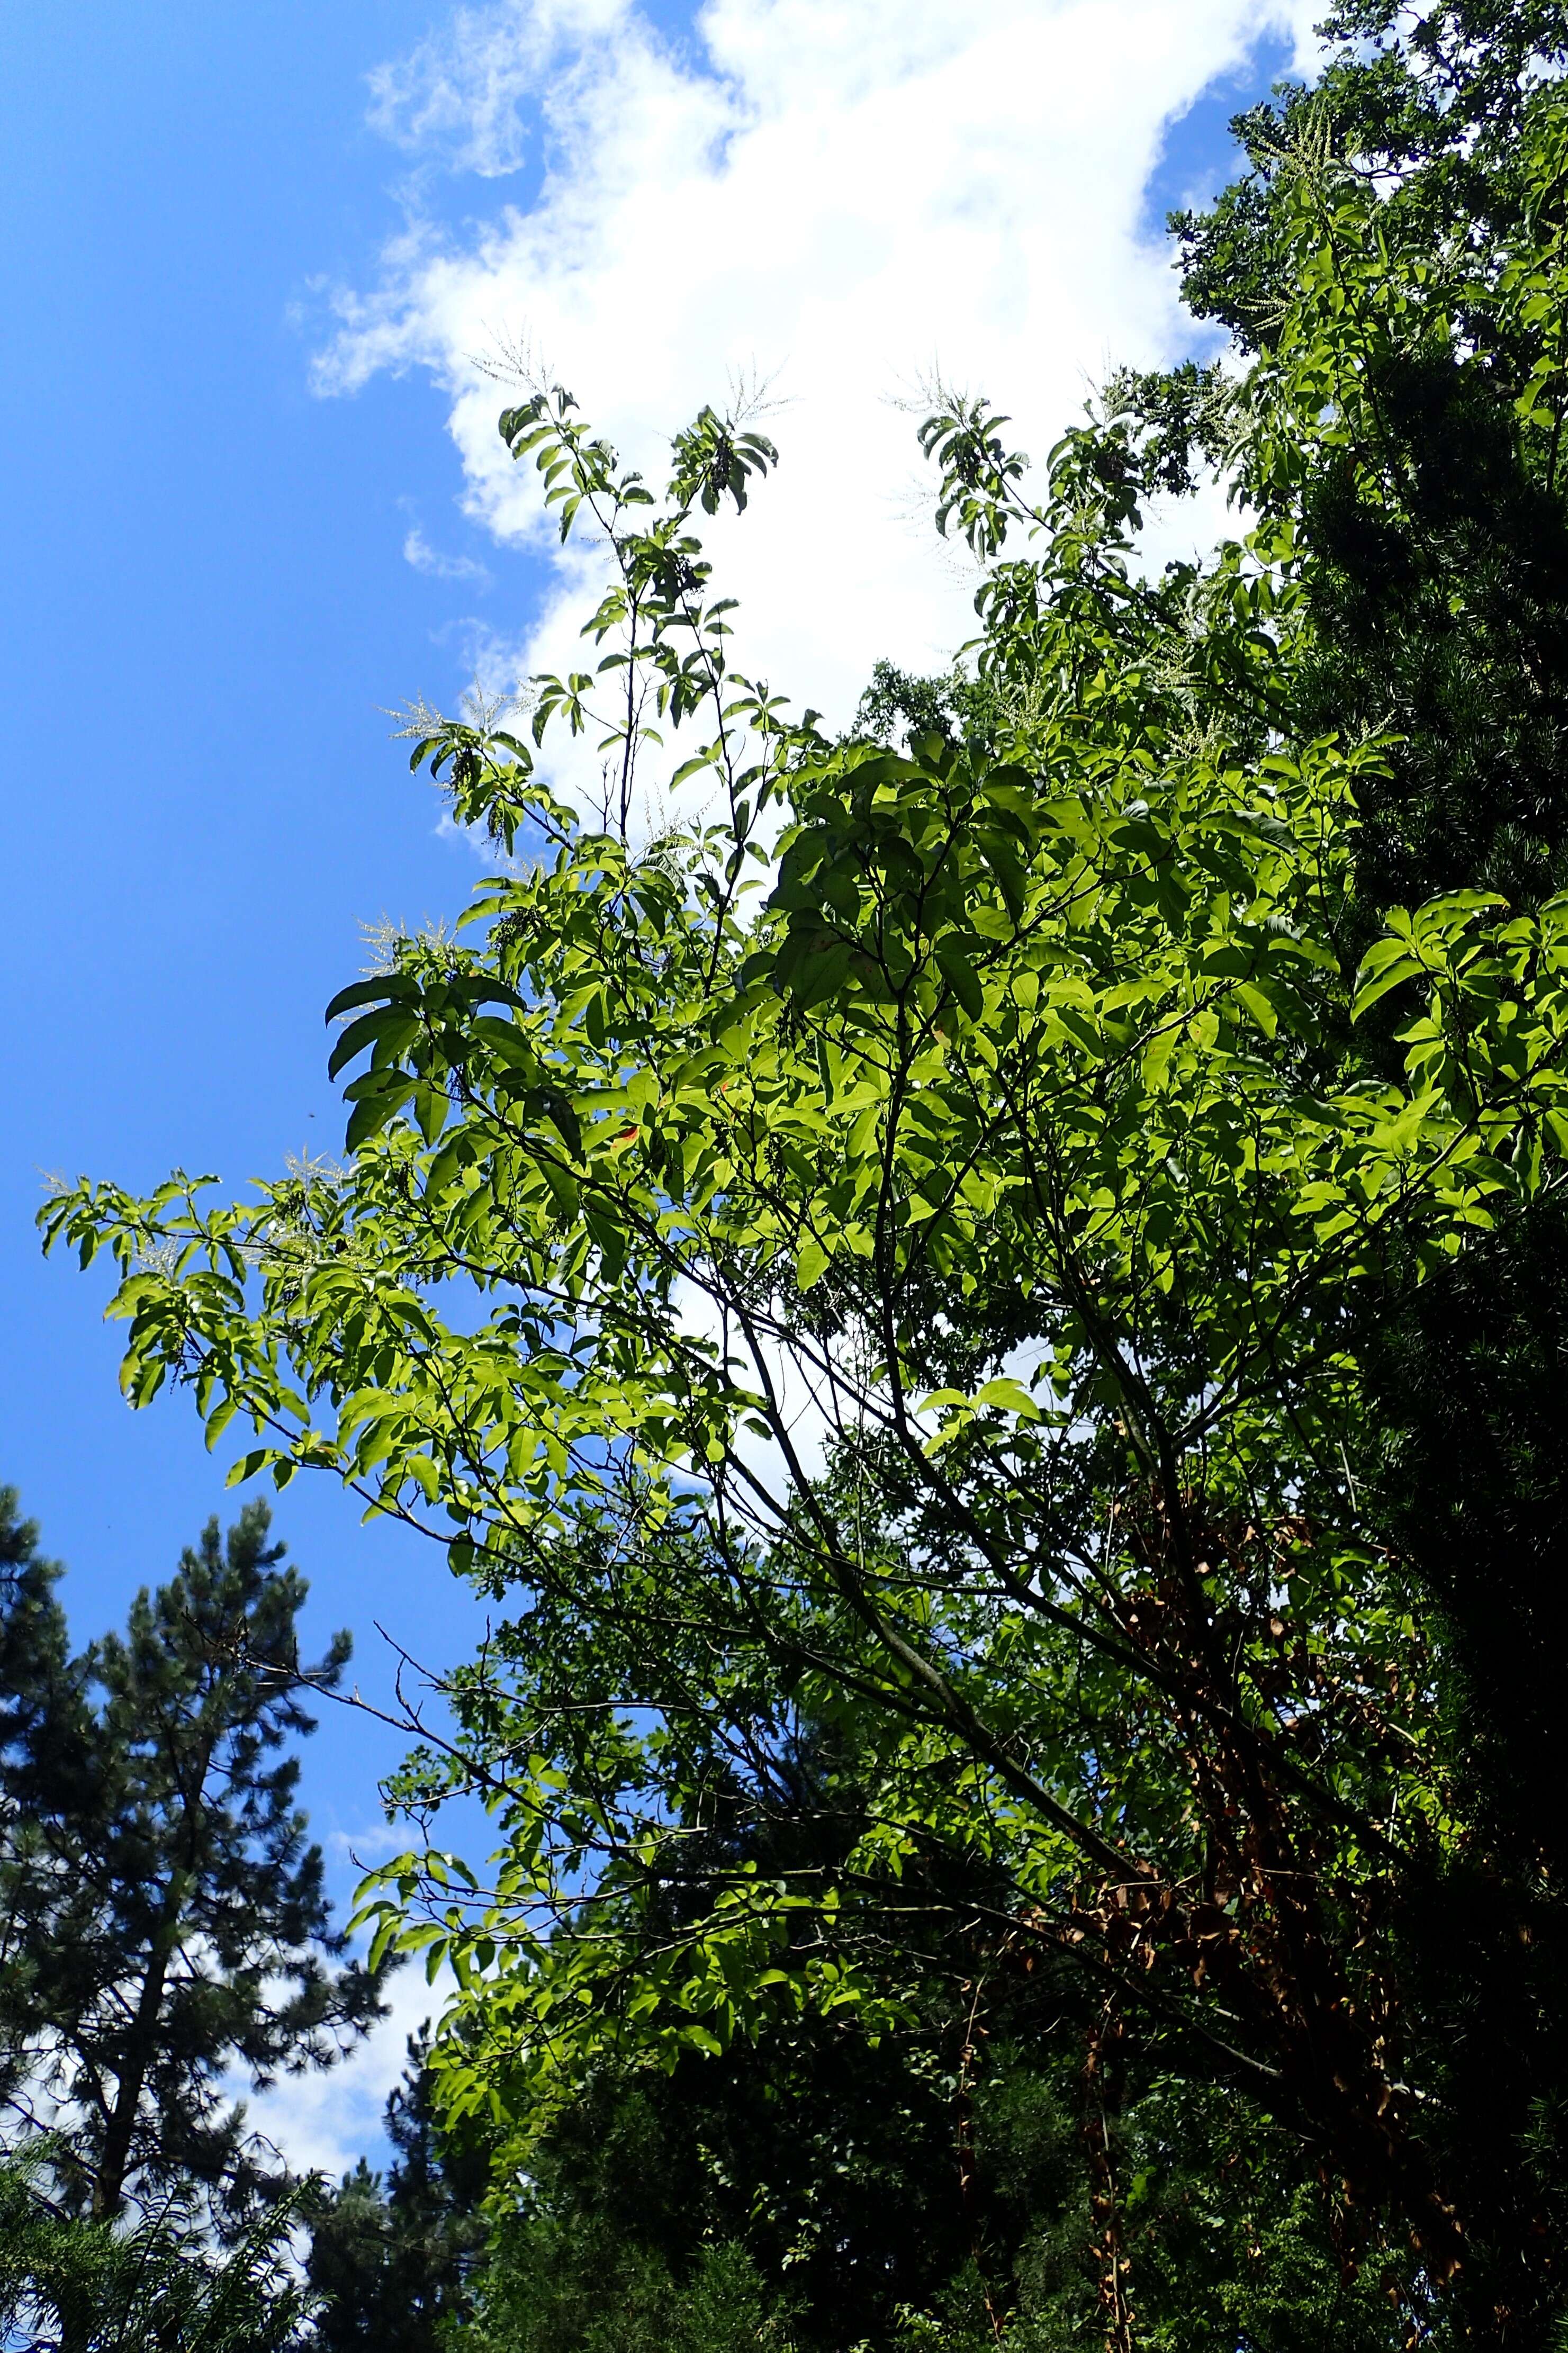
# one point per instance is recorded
(375, 1843)
(849, 198)
(467, 94)
(418, 552)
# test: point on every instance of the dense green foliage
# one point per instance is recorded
(845, 2195)
(995, 1307)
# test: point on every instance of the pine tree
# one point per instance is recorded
(391, 2258)
(47, 1769)
(164, 1918)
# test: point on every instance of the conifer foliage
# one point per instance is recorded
(149, 2283)
(165, 1920)
(392, 2255)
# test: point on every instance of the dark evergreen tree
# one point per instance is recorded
(391, 2258)
(47, 1769)
(1436, 541)
(164, 1918)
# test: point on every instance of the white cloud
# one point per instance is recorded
(842, 197)
(374, 1842)
(801, 1390)
(467, 92)
(326, 2120)
(418, 552)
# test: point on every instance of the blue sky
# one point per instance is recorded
(209, 602)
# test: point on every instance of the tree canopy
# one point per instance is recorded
(934, 1287)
